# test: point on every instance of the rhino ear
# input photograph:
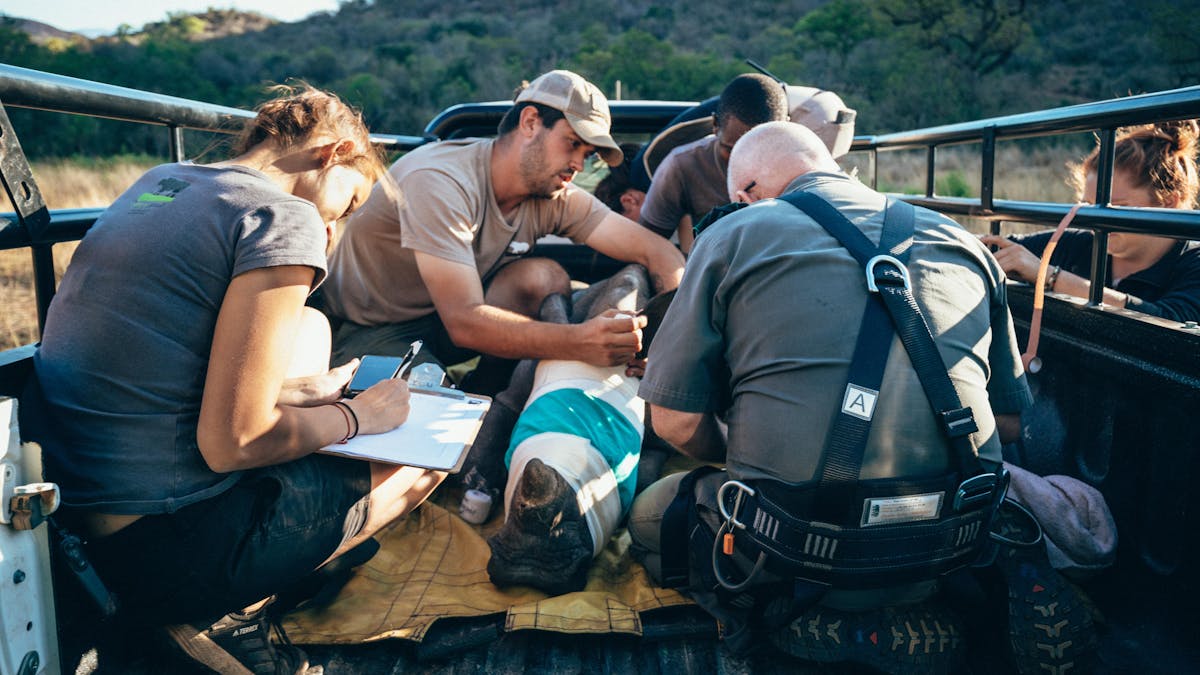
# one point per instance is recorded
(542, 499)
(537, 483)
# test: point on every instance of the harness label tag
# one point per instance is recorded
(859, 401)
(892, 510)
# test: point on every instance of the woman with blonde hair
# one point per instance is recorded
(183, 388)
(1155, 166)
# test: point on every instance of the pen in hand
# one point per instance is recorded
(410, 356)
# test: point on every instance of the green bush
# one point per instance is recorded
(953, 184)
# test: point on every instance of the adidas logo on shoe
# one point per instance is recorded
(243, 631)
(240, 644)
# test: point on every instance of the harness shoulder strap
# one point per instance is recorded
(888, 280)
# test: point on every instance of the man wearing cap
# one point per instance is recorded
(450, 265)
(690, 180)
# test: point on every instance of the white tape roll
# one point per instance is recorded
(475, 507)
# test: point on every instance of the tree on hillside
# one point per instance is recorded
(981, 34)
(1176, 29)
(178, 26)
(16, 47)
(838, 27)
(900, 63)
(652, 68)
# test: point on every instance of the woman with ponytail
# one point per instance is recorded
(1155, 166)
(183, 389)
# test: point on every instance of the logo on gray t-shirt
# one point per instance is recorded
(168, 190)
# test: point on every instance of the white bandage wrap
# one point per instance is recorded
(607, 384)
(579, 463)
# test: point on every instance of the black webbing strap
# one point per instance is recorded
(676, 530)
(957, 421)
(847, 441)
(70, 547)
(870, 557)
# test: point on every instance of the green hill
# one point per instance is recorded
(901, 63)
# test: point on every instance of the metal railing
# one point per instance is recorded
(21, 87)
(25, 88)
(1102, 117)
(480, 119)
(38, 229)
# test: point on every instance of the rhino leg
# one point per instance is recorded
(627, 290)
(556, 308)
(545, 543)
(483, 468)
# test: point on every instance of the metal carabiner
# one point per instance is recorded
(728, 585)
(743, 490)
(871, 285)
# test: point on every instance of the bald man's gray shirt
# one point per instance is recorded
(765, 322)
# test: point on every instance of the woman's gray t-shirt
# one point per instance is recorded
(126, 347)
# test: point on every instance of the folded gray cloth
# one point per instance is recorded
(1081, 535)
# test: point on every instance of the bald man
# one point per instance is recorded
(770, 308)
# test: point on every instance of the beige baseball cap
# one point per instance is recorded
(582, 104)
(824, 112)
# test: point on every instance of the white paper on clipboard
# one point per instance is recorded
(438, 433)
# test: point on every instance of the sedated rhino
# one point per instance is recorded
(571, 454)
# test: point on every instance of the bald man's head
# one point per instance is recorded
(772, 155)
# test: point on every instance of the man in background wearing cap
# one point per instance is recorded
(450, 264)
(692, 182)
(824, 113)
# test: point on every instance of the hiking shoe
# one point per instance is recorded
(920, 638)
(240, 644)
(1050, 627)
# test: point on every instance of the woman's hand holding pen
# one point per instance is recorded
(382, 406)
(385, 405)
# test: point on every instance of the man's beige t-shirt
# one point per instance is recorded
(448, 211)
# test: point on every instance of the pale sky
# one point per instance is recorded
(101, 17)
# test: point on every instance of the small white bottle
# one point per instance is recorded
(476, 506)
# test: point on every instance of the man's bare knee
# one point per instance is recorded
(521, 286)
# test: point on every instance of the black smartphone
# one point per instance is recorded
(372, 369)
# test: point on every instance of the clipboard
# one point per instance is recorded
(440, 429)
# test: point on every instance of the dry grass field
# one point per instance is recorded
(64, 184)
(1037, 174)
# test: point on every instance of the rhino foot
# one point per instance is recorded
(483, 469)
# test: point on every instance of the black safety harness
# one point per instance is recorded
(839, 531)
